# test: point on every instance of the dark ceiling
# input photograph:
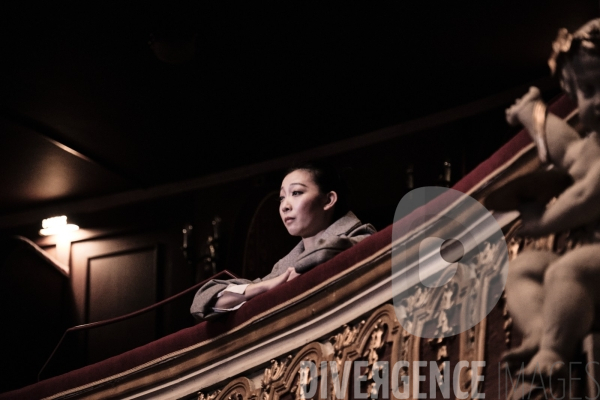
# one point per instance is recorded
(88, 109)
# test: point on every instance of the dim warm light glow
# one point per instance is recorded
(56, 225)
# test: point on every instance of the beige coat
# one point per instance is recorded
(339, 236)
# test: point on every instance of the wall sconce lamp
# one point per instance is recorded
(56, 226)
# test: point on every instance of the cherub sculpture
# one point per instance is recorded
(553, 297)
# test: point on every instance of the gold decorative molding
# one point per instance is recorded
(273, 374)
(297, 374)
(472, 348)
(440, 346)
(508, 322)
(379, 340)
(238, 389)
(344, 340)
(275, 371)
(485, 264)
(558, 243)
(382, 329)
(211, 396)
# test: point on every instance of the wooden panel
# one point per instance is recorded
(118, 284)
(121, 283)
(84, 251)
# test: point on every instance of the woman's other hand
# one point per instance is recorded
(293, 274)
(278, 280)
(230, 300)
(257, 288)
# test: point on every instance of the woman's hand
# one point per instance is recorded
(254, 289)
(293, 274)
(278, 280)
(230, 300)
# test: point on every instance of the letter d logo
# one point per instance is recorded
(449, 262)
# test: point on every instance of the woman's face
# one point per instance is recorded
(303, 208)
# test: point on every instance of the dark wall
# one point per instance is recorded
(36, 308)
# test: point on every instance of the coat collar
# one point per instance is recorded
(343, 225)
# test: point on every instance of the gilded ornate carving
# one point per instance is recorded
(412, 304)
(381, 330)
(211, 396)
(344, 340)
(464, 297)
(297, 375)
(376, 342)
(235, 396)
(513, 244)
(485, 266)
(275, 371)
(472, 348)
(408, 351)
(238, 389)
(369, 340)
(440, 345)
(558, 243)
(272, 374)
(304, 380)
(508, 322)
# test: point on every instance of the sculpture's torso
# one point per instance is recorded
(581, 155)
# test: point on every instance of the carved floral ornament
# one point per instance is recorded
(450, 308)
(375, 341)
(289, 375)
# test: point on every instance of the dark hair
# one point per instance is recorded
(585, 40)
(328, 179)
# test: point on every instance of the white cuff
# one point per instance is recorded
(221, 310)
(239, 289)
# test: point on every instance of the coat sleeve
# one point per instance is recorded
(204, 300)
(329, 247)
(206, 296)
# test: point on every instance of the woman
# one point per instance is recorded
(313, 206)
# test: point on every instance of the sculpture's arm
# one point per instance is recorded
(577, 206)
(557, 135)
